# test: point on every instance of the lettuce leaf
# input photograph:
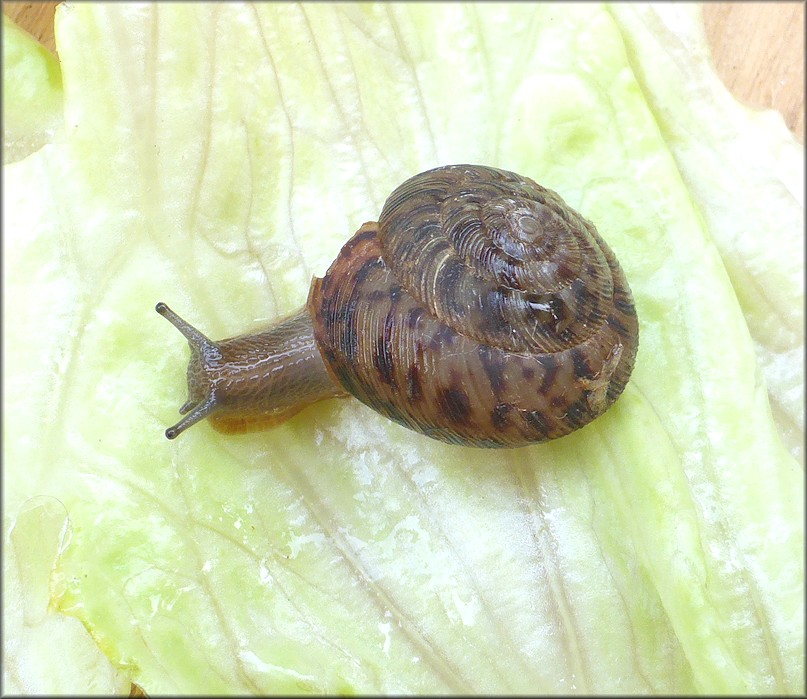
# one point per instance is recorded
(760, 237)
(32, 93)
(216, 157)
(46, 652)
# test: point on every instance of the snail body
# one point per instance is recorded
(479, 310)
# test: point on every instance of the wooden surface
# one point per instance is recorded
(758, 50)
(757, 47)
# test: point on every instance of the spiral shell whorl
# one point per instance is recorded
(479, 310)
(497, 257)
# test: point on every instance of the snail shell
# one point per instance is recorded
(479, 310)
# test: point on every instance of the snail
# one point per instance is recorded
(479, 310)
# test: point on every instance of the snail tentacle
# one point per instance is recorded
(199, 412)
(194, 336)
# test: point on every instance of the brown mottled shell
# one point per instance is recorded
(479, 310)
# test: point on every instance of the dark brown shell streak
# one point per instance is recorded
(479, 310)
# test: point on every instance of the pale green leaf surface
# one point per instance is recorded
(723, 148)
(32, 93)
(215, 157)
(46, 652)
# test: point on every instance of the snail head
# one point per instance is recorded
(205, 355)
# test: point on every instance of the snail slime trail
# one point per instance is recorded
(479, 310)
